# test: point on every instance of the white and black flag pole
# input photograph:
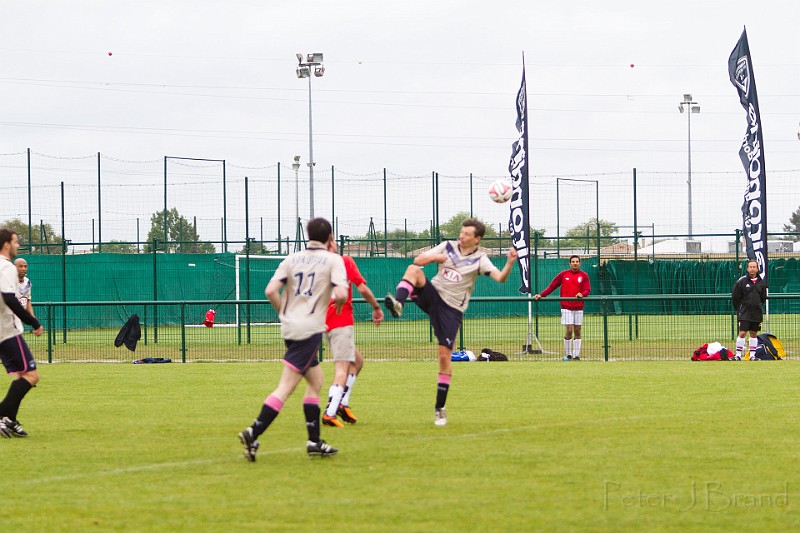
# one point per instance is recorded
(751, 152)
(519, 216)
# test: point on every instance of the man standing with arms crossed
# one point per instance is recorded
(347, 359)
(14, 351)
(447, 295)
(574, 284)
(300, 291)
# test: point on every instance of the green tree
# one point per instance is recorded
(116, 247)
(586, 234)
(256, 248)
(793, 226)
(44, 238)
(451, 228)
(182, 235)
(543, 241)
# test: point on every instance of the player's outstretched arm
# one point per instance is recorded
(502, 275)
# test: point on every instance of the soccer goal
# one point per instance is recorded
(261, 268)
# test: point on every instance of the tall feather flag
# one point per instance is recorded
(519, 219)
(754, 208)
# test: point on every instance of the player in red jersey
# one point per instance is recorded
(347, 359)
(574, 284)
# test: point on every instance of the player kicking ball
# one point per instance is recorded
(445, 297)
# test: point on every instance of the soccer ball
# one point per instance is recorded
(500, 191)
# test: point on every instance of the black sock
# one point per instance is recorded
(265, 418)
(441, 394)
(16, 392)
(311, 410)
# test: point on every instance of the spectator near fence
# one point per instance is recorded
(24, 286)
(574, 283)
(749, 295)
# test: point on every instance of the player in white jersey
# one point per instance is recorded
(14, 352)
(24, 286)
(300, 291)
(447, 295)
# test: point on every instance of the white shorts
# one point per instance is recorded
(343, 343)
(570, 317)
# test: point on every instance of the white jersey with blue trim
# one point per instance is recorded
(24, 292)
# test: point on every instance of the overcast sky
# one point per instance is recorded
(412, 86)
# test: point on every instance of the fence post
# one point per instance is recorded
(605, 329)
(183, 332)
(49, 330)
(155, 281)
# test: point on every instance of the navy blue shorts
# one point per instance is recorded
(302, 355)
(444, 319)
(16, 355)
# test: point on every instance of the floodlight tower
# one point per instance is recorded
(692, 107)
(306, 65)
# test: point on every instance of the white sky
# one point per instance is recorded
(412, 86)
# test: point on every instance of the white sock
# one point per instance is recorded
(568, 347)
(334, 397)
(351, 379)
(576, 347)
(739, 346)
(753, 346)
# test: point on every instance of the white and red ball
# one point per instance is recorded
(500, 191)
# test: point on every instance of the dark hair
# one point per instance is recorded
(6, 235)
(319, 229)
(480, 227)
(570, 257)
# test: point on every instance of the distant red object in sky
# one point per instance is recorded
(631, 63)
(110, 54)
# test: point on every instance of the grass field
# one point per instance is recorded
(649, 446)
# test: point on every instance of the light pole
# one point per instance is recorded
(296, 168)
(692, 107)
(312, 64)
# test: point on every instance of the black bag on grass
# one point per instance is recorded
(769, 348)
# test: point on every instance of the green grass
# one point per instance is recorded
(548, 447)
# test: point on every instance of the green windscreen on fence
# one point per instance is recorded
(225, 276)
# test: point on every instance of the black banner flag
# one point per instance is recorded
(519, 219)
(754, 208)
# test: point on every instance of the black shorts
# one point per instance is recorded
(302, 355)
(16, 355)
(744, 325)
(444, 319)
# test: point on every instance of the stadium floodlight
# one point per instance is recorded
(692, 107)
(304, 70)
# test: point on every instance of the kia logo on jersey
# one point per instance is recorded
(451, 275)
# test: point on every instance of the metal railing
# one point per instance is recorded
(524, 329)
